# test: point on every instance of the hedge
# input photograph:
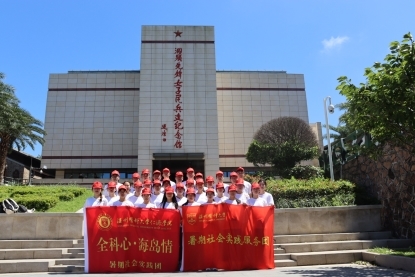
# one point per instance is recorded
(293, 193)
(41, 204)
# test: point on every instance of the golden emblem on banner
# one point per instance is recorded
(191, 218)
(104, 221)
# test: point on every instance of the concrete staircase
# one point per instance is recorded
(334, 248)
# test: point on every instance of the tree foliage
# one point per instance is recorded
(282, 143)
(384, 105)
(18, 128)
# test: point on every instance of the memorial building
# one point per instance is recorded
(176, 111)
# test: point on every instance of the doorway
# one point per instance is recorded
(179, 165)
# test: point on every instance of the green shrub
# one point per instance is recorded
(304, 172)
(294, 193)
(65, 196)
(40, 203)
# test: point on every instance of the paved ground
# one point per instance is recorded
(312, 271)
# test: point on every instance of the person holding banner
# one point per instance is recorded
(240, 192)
(122, 201)
(181, 199)
(169, 199)
(97, 199)
(191, 196)
(200, 194)
(128, 186)
(210, 194)
(136, 197)
(256, 200)
(220, 197)
(146, 200)
(232, 196)
(265, 195)
(157, 196)
(112, 196)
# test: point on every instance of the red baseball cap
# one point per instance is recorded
(210, 179)
(122, 187)
(219, 173)
(136, 175)
(190, 191)
(199, 175)
(166, 170)
(169, 190)
(190, 170)
(138, 184)
(210, 190)
(115, 172)
(240, 181)
(220, 186)
(179, 173)
(156, 172)
(199, 181)
(233, 174)
(145, 170)
(112, 184)
(255, 186)
(232, 188)
(97, 185)
(166, 180)
(147, 182)
(146, 191)
(179, 185)
(190, 181)
(156, 182)
(240, 169)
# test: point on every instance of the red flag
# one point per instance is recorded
(230, 237)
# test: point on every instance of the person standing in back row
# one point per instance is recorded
(241, 174)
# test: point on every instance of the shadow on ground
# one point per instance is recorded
(347, 271)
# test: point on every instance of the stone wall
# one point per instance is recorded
(390, 178)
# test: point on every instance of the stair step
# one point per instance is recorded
(75, 250)
(285, 263)
(332, 237)
(66, 268)
(278, 251)
(73, 255)
(25, 266)
(327, 257)
(25, 244)
(70, 261)
(33, 253)
(282, 256)
(79, 245)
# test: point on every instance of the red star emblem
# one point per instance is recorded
(178, 33)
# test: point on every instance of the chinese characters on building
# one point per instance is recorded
(164, 132)
(178, 85)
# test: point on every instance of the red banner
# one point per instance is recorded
(127, 239)
(230, 237)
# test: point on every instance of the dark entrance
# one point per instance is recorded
(179, 165)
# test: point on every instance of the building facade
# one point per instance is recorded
(177, 111)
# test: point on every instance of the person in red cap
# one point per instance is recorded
(265, 195)
(220, 190)
(241, 174)
(200, 193)
(233, 176)
(157, 195)
(156, 175)
(145, 174)
(136, 177)
(210, 183)
(128, 186)
(166, 174)
(122, 201)
(179, 178)
(97, 199)
(169, 199)
(146, 193)
(240, 192)
(256, 200)
(232, 196)
(198, 175)
(147, 183)
(181, 199)
(219, 180)
(190, 183)
(190, 173)
(191, 196)
(115, 177)
(210, 194)
(137, 197)
(112, 195)
(166, 183)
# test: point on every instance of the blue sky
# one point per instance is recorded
(320, 39)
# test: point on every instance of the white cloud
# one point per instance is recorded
(334, 42)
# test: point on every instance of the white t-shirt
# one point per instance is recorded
(247, 187)
(167, 206)
(111, 200)
(136, 199)
(242, 196)
(105, 192)
(220, 200)
(232, 202)
(193, 204)
(259, 202)
(206, 203)
(181, 201)
(201, 198)
(268, 198)
(95, 202)
(156, 199)
(129, 195)
(142, 205)
(124, 203)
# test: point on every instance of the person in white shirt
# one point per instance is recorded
(147, 184)
(233, 177)
(240, 192)
(166, 183)
(169, 199)
(97, 199)
(241, 174)
(191, 196)
(146, 193)
(210, 183)
(156, 175)
(190, 173)
(137, 197)
(112, 193)
(145, 175)
(232, 196)
(122, 193)
(179, 178)
(265, 195)
(210, 194)
(157, 195)
(190, 183)
(200, 194)
(198, 175)
(181, 199)
(166, 174)
(128, 186)
(220, 197)
(219, 179)
(115, 177)
(136, 177)
(256, 200)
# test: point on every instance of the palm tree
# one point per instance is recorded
(18, 128)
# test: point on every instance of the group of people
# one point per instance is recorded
(159, 191)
